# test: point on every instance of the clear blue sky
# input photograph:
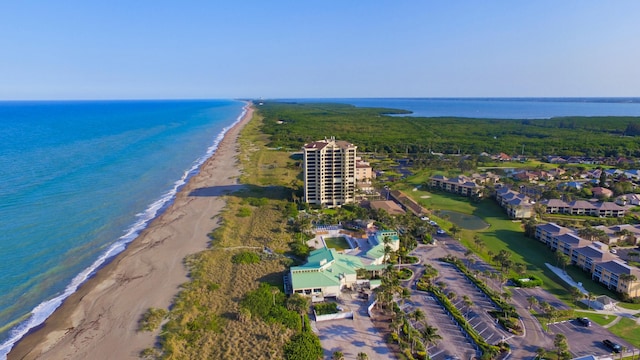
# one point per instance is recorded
(335, 48)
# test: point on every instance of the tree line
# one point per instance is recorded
(378, 130)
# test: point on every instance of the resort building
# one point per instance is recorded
(621, 234)
(364, 176)
(582, 207)
(461, 185)
(391, 207)
(325, 273)
(328, 271)
(618, 276)
(407, 203)
(517, 205)
(329, 172)
(593, 257)
(376, 255)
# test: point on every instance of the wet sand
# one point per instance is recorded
(100, 320)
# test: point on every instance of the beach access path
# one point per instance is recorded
(100, 320)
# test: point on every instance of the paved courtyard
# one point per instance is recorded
(353, 336)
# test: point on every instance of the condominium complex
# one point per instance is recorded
(593, 257)
(329, 172)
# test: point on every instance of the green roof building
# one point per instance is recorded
(327, 271)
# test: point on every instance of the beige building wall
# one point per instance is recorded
(329, 172)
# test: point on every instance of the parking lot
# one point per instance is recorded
(454, 343)
(584, 340)
(478, 313)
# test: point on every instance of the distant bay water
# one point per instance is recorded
(499, 108)
(79, 181)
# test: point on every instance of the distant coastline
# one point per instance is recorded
(495, 108)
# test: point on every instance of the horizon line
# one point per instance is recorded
(327, 98)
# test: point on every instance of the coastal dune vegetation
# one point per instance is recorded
(215, 315)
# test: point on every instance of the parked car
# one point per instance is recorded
(616, 348)
(433, 223)
(440, 232)
(613, 251)
(584, 321)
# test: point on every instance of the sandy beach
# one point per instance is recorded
(100, 320)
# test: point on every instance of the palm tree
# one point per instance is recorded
(590, 297)
(397, 321)
(560, 344)
(299, 304)
(468, 303)
(429, 334)
(477, 241)
(576, 294)
(563, 260)
(454, 229)
(520, 268)
(532, 300)
(337, 355)
(274, 291)
(362, 356)
(417, 315)
(386, 240)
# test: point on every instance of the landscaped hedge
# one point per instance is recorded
(326, 308)
(488, 351)
(508, 310)
(527, 282)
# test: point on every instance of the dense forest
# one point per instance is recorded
(391, 131)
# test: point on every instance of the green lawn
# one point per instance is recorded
(628, 330)
(629, 306)
(502, 234)
(339, 243)
(601, 319)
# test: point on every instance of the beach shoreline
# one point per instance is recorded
(100, 319)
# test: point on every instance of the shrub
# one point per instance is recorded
(326, 308)
(527, 282)
(151, 319)
(303, 346)
(245, 257)
(405, 274)
(260, 303)
(244, 212)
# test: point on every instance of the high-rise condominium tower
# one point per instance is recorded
(329, 172)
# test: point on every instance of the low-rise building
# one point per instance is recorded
(517, 205)
(582, 207)
(461, 185)
(625, 233)
(593, 257)
(328, 271)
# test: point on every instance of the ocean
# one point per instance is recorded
(79, 181)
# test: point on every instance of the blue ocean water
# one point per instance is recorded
(80, 180)
(500, 108)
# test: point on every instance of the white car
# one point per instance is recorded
(433, 223)
(440, 232)
(424, 218)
